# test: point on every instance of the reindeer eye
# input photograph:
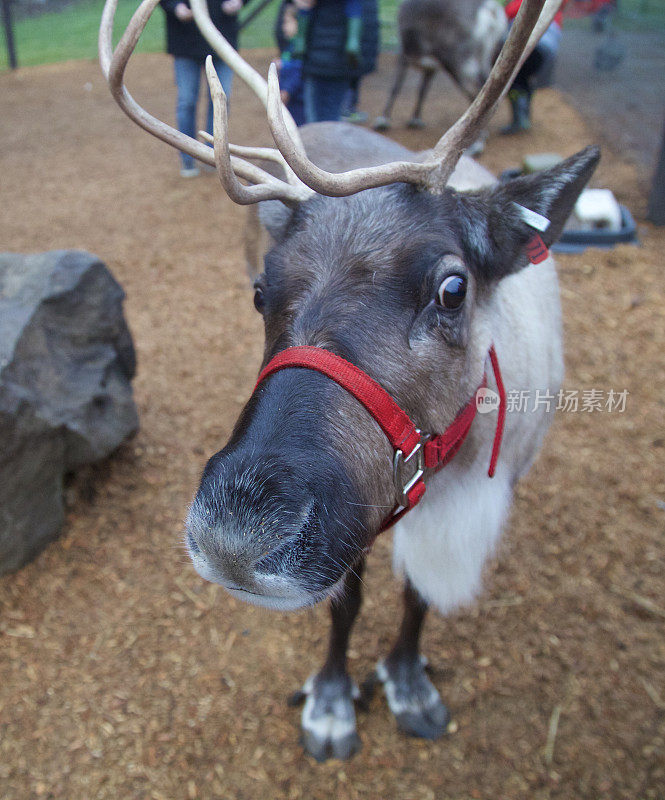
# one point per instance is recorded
(259, 299)
(452, 292)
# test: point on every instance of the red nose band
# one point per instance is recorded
(416, 454)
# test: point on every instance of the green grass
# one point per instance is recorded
(641, 15)
(72, 32)
(633, 15)
(647, 8)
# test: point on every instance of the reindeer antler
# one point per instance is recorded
(264, 186)
(533, 19)
(303, 177)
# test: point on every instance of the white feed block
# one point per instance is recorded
(598, 208)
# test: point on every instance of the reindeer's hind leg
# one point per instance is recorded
(382, 123)
(416, 120)
(412, 698)
(328, 718)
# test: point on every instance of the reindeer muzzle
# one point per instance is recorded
(416, 454)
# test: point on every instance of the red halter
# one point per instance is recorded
(425, 452)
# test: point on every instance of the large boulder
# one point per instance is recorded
(66, 364)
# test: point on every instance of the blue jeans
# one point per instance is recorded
(187, 81)
(324, 97)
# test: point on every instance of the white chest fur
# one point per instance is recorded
(442, 545)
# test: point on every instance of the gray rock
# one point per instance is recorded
(66, 364)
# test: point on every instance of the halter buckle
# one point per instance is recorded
(408, 470)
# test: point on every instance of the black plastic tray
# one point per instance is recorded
(572, 241)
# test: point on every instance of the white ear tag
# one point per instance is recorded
(532, 218)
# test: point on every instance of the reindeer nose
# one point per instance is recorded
(277, 567)
(233, 567)
(277, 519)
(251, 525)
(239, 560)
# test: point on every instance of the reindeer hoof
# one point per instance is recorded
(413, 699)
(381, 124)
(416, 122)
(329, 718)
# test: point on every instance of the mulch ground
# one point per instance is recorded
(123, 675)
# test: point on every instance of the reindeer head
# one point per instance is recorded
(385, 267)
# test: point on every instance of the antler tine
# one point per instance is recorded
(331, 183)
(114, 63)
(267, 154)
(259, 153)
(237, 63)
(113, 66)
(533, 19)
(433, 173)
(270, 188)
(529, 25)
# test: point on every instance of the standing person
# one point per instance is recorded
(290, 60)
(189, 50)
(540, 62)
(342, 42)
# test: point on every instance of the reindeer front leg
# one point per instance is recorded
(328, 718)
(411, 696)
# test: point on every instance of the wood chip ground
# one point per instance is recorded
(123, 675)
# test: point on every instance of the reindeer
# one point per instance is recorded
(462, 37)
(388, 292)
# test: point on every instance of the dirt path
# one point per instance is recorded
(123, 675)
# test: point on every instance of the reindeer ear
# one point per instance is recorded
(269, 217)
(275, 218)
(495, 232)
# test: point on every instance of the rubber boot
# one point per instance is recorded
(520, 103)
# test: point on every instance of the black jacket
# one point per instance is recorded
(326, 38)
(184, 39)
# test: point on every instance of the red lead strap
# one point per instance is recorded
(429, 452)
(501, 419)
